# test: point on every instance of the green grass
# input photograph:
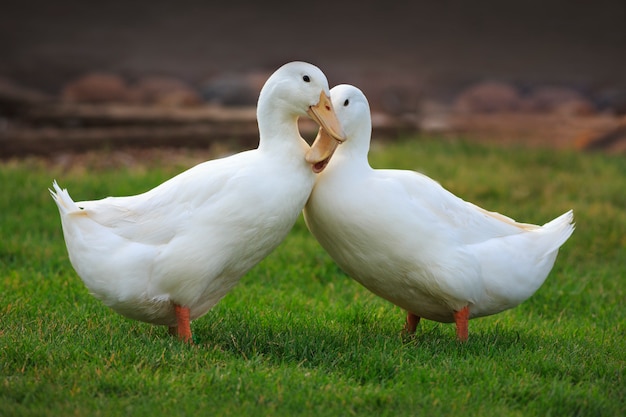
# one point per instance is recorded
(298, 337)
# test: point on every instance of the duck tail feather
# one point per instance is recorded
(62, 198)
(562, 228)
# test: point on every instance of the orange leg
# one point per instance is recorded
(412, 321)
(461, 318)
(182, 330)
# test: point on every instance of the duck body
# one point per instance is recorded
(186, 243)
(407, 239)
(429, 259)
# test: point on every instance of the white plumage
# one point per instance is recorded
(168, 255)
(409, 240)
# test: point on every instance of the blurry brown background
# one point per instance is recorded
(418, 62)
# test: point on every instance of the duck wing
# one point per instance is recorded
(471, 224)
(158, 215)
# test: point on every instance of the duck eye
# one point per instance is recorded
(345, 103)
(306, 78)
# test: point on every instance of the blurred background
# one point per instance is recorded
(76, 74)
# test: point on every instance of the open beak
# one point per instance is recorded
(329, 136)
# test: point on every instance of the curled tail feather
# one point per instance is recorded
(62, 198)
(563, 227)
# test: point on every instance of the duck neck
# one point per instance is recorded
(277, 129)
(357, 148)
(353, 153)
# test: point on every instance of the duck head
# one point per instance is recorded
(301, 89)
(352, 109)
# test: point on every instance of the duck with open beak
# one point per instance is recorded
(329, 136)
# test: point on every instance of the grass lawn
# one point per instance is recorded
(297, 336)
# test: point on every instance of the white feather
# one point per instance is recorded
(409, 240)
(189, 240)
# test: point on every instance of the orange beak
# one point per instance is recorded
(329, 136)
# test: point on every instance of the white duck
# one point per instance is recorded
(408, 240)
(168, 255)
